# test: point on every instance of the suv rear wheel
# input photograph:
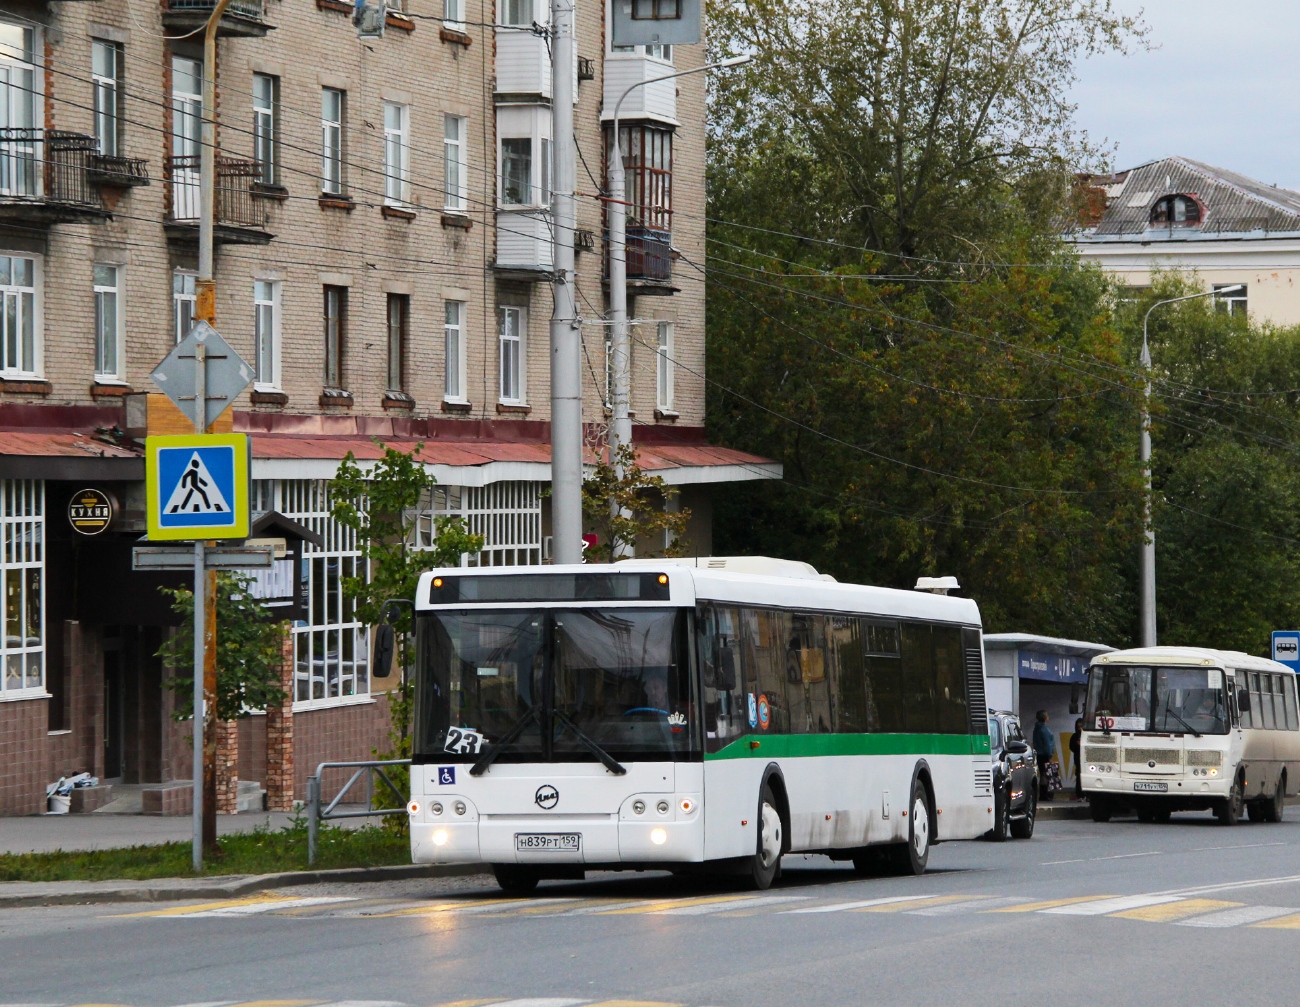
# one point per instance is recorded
(1023, 828)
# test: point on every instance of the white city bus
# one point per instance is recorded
(1185, 729)
(659, 715)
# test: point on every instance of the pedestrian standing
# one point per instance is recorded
(1075, 740)
(1045, 749)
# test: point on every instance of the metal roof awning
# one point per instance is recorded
(70, 456)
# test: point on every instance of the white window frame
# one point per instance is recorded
(455, 181)
(512, 355)
(188, 298)
(107, 370)
(15, 353)
(454, 362)
(512, 13)
(21, 92)
(266, 133)
(665, 366)
(1232, 304)
(534, 124)
(266, 325)
(22, 574)
(107, 98)
(397, 154)
(507, 514)
(331, 142)
(453, 14)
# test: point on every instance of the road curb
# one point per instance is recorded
(1049, 812)
(17, 894)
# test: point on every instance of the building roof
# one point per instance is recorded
(1232, 204)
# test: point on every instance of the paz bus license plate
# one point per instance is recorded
(1154, 788)
(537, 842)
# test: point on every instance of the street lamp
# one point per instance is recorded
(620, 430)
(1147, 630)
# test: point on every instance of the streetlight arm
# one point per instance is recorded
(1146, 355)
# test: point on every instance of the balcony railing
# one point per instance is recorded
(234, 205)
(242, 18)
(48, 168)
(649, 254)
(246, 8)
(109, 169)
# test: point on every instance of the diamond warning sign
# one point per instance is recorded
(197, 486)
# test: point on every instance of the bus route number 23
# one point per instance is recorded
(464, 740)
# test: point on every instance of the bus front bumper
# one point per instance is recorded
(1131, 786)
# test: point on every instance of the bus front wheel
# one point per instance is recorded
(1229, 809)
(515, 879)
(771, 836)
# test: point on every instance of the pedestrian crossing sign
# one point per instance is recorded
(197, 486)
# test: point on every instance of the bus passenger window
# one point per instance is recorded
(950, 680)
(850, 696)
(1288, 686)
(919, 680)
(1265, 699)
(764, 635)
(719, 654)
(1279, 703)
(806, 676)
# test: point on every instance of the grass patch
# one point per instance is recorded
(261, 851)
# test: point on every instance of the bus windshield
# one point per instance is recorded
(1169, 699)
(547, 685)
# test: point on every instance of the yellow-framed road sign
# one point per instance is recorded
(197, 486)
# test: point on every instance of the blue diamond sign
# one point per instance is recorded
(197, 486)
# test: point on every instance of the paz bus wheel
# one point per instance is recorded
(1273, 807)
(1100, 808)
(1228, 811)
(771, 835)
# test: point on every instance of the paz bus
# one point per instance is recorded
(1186, 729)
(691, 715)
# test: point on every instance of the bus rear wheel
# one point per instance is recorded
(516, 880)
(912, 856)
(771, 835)
(1273, 808)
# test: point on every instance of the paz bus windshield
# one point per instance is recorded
(557, 685)
(1169, 700)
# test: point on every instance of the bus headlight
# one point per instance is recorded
(440, 837)
(658, 837)
(413, 808)
(1214, 772)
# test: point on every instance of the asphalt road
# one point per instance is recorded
(1117, 914)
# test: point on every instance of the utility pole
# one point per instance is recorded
(205, 581)
(566, 333)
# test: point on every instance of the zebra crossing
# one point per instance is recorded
(1164, 908)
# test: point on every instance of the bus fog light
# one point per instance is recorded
(658, 837)
(413, 808)
(440, 837)
(662, 807)
(1092, 769)
(638, 807)
(1214, 772)
(436, 807)
(687, 805)
(459, 807)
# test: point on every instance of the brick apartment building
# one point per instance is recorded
(384, 251)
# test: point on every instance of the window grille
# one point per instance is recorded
(22, 564)
(507, 514)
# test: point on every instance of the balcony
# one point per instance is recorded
(649, 261)
(242, 18)
(239, 218)
(119, 172)
(525, 248)
(655, 101)
(45, 177)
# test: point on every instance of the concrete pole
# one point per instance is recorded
(566, 339)
(205, 307)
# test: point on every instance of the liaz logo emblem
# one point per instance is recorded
(546, 797)
(677, 719)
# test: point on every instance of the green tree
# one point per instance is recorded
(248, 651)
(631, 510)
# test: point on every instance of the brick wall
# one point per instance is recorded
(23, 725)
(340, 734)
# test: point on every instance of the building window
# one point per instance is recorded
(187, 118)
(266, 333)
(336, 309)
(20, 159)
(22, 562)
(513, 325)
(266, 127)
(106, 76)
(1234, 303)
(517, 13)
(19, 329)
(664, 366)
(1176, 211)
(455, 189)
(648, 160)
(331, 143)
(184, 297)
(397, 154)
(609, 372)
(546, 169)
(399, 309)
(516, 171)
(656, 10)
(453, 13)
(661, 51)
(453, 330)
(507, 514)
(108, 315)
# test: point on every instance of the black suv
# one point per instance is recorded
(1015, 779)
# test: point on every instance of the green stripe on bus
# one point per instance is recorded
(791, 746)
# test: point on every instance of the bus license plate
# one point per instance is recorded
(1154, 788)
(541, 842)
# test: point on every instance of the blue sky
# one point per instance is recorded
(1221, 86)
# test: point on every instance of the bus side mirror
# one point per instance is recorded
(1243, 701)
(1074, 697)
(381, 665)
(726, 669)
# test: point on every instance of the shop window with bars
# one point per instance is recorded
(507, 514)
(22, 564)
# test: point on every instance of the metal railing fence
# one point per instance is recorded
(367, 770)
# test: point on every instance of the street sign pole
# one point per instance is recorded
(200, 629)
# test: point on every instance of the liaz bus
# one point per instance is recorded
(659, 715)
(1184, 729)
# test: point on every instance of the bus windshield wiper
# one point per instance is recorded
(490, 754)
(610, 763)
(1180, 720)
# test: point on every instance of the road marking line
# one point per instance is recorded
(634, 1003)
(1104, 907)
(276, 1003)
(202, 906)
(1231, 885)
(1238, 917)
(202, 1003)
(267, 907)
(364, 1003)
(899, 907)
(1291, 922)
(954, 908)
(543, 1002)
(839, 907)
(469, 1003)
(1247, 846)
(1170, 912)
(445, 907)
(522, 907)
(655, 907)
(1054, 863)
(1034, 907)
(749, 903)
